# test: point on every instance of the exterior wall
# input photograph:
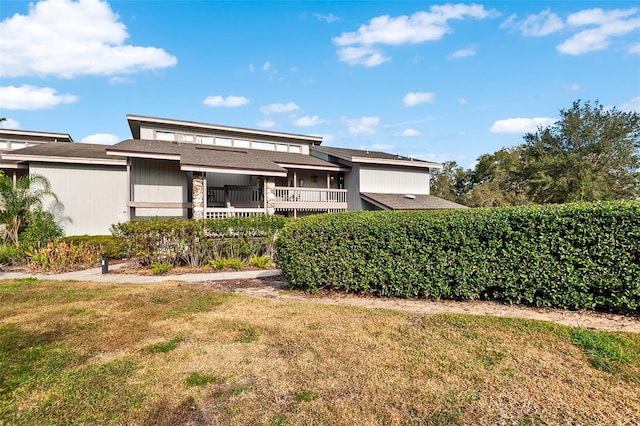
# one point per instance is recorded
(393, 180)
(94, 197)
(352, 184)
(158, 181)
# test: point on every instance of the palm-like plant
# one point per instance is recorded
(17, 201)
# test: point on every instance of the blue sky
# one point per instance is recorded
(437, 81)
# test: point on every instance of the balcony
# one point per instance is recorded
(245, 201)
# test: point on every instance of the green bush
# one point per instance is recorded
(61, 256)
(575, 256)
(197, 242)
(110, 246)
(160, 268)
(10, 255)
(41, 229)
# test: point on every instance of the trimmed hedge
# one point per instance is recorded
(196, 242)
(110, 246)
(573, 256)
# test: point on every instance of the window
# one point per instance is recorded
(241, 143)
(223, 141)
(4, 145)
(185, 138)
(205, 140)
(263, 145)
(18, 145)
(282, 147)
(295, 148)
(165, 136)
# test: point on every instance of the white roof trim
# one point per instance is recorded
(172, 122)
(193, 168)
(154, 156)
(69, 160)
(335, 168)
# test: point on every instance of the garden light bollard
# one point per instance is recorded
(105, 265)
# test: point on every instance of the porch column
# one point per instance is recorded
(270, 195)
(198, 195)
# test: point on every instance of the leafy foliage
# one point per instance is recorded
(10, 254)
(575, 256)
(17, 201)
(589, 154)
(110, 246)
(197, 242)
(41, 229)
(61, 256)
(160, 268)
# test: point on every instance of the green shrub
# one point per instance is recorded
(62, 256)
(10, 255)
(575, 256)
(263, 262)
(160, 268)
(41, 229)
(196, 242)
(110, 246)
(236, 264)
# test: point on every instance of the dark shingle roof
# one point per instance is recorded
(356, 154)
(222, 157)
(401, 202)
(65, 150)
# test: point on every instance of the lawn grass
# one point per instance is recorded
(175, 353)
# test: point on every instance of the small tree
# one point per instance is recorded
(17, 201)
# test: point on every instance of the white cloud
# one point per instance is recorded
(362, 125)
(32, 97)
(330, 18)
(574, 87)
(65, 38)
(120, 80)
(266, 66)
(608, 24)
(462, 101)
(307, 121)
(356, 48)
(521, 125)
(632, 105)
(462, 53)
(408, 133)
(362, 55)
(279, 108)
(415, 98)
(634, 48)
(266, 123)
(101, 139)
(440, 158)
(382, 146)
(542, 24)
(10, 123)
(229, 101)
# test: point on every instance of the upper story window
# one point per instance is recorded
(205, 139)
(4, 145)
(18, 145)
(165, 136)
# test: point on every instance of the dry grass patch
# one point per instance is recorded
(186, 354)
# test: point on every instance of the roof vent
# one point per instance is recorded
(410, 196)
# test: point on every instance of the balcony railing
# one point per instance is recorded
(244, 201)
(288, 198)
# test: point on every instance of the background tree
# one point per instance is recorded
(591, 153)
(451, 182)
(18, 201)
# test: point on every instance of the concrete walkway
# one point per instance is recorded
(96, 275)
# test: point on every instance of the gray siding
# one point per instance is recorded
(94, 197)
(393, 180)
(159, 181)
(352, 184)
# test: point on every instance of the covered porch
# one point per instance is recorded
(215, 198)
